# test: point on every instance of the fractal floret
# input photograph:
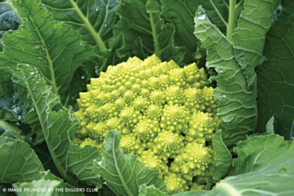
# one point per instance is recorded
(165, 114)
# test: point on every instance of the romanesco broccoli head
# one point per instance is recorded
(165, 114)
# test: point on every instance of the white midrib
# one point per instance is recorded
(96, 36)
(57, 163)
(118, 172)
(50, 62)
(229, 189)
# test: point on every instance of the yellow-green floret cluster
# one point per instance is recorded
(165, 114)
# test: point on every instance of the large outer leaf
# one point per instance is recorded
(276, 75)
(93, 19)
(58, 129)
(264, 167)
(48, 185)
(237, 106)
(151, 191)
(145, 33)
(223, 159)
(182, 12)
(55, 49)
(254, 22)
(19, 163)
(124, 173)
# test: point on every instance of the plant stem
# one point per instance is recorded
(155, 37)
(232, 19)
(12, 130)
(91, 29)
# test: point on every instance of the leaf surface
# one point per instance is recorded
(49, 184)
(223, 158)
(124, 173)
(9, 20)
(237, 105)
(19, 163)
(254, 22)
(58, 128)
(150, 191)
(181, 13)
(55, 49)
(276, 74)
(11, 104)
(144, 31)
(93, 19)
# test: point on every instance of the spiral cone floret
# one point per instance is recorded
(201, 128)
(175, 183)
(154, 112)
(147, 130)
(130, 144)
(168, 144)
(154, 163)
(174, 118)
(194, 161)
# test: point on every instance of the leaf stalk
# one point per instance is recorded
(92, 31)
(155, 37)
(232, 19)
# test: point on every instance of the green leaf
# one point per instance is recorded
(93, 19)
(48, 185)
(106, 191)
(181, 13)
(237, 104)
(150, 191)
(15, 105)
(11, 107)
(19, 163)
(9, 19)
(55, 49)
(275, 76)
(124, 173)
(204, 193)
(223, 158)
(254, 22)
(145, 33)
(270, 125)
(11, 130)
(44, 155)
(264, 167)
(58, 128)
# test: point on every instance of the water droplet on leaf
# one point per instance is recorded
(201, 16)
